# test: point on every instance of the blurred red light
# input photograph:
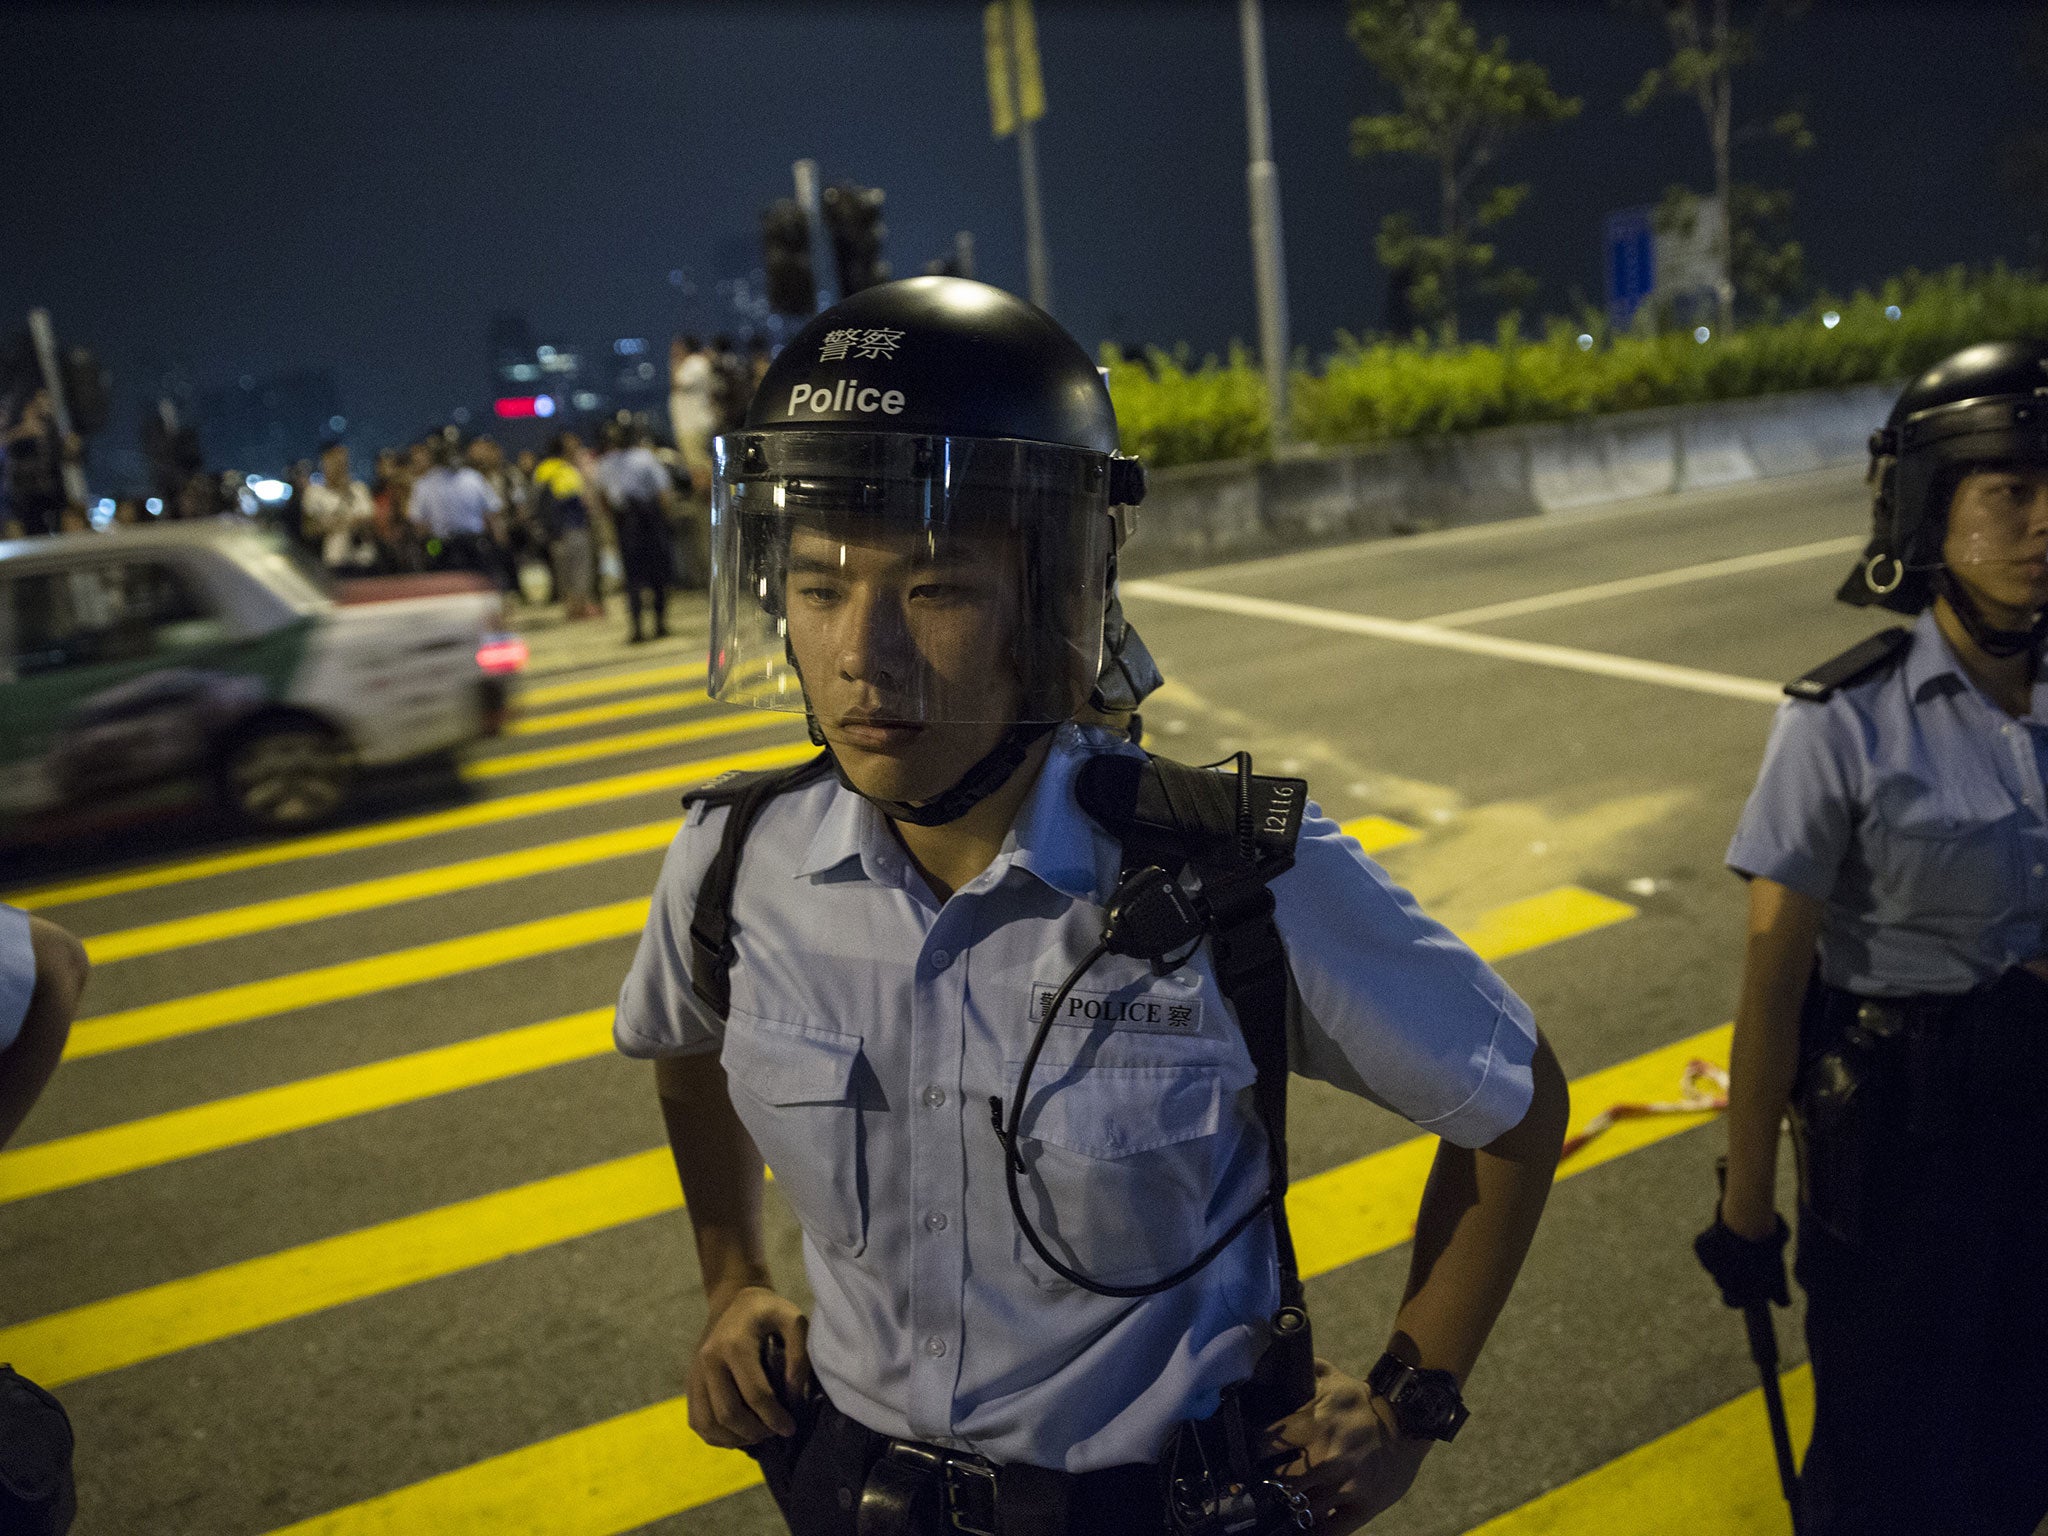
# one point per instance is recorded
(517, 405)
(504, 654)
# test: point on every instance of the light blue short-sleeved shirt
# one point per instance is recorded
(1911, 806)
(17, 973)
(446, 501)
(632, 474)
(871, 1025)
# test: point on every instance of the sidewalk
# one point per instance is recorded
(556, 645)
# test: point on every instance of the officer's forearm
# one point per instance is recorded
(1479, 1213)
(1764, 1056)
(721, 1172)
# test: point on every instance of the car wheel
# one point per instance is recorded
(285, 776)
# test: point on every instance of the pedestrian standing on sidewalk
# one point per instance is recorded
(562, 512)
(452, 506)
(1895, 987)
(692, 407)
(637, 488)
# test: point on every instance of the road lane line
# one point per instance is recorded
(1370, 1204)
(1377, 834)
(180, 1314)
(597, 714)
(617, 682)
(67, 1161)
(538, 802)
(1737, 565)
(201, 1011)
(385, 891)
(1521, 925)
(1716, 1476)
(220, 1303)
(1498, 647)
(485, 768)
(597, 1481)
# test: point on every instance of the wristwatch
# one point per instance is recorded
(1426, 1403)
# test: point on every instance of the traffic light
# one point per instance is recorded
(786, 258)
(853, 214)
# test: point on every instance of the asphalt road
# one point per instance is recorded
(320, 1308)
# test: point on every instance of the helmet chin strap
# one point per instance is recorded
(969, 790)
(1990, 640)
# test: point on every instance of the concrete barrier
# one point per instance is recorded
(1202, 513)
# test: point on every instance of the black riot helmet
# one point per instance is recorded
(957, 424)
(1984, 407)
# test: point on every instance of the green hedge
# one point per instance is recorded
(1173, 412)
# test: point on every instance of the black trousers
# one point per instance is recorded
(1929, 1334)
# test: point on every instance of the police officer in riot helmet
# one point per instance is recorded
(1004, 1002)
(1895, 986)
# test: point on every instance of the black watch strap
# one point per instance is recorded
(1426, 1403)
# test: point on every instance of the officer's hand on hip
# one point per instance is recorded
(1351, 1461)
(732, 1402)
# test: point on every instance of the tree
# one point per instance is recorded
(1707, 47)
(1460, 104)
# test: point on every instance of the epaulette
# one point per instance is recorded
(730, 786)
(1861, 660)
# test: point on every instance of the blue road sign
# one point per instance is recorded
(1631, 263)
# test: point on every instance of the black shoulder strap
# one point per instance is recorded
(1237, 832)
(711, 918)
(1852, 666)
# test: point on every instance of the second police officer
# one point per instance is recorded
(1895, 986)
(847, 971)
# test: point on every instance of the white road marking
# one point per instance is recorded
(1409, 632)
(1736, 565)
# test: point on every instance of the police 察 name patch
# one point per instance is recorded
(1169, 1010)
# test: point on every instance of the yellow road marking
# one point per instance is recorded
(617, 682)
(352, 978)
(1544, 919)
(1716, 1476)
(598, 714)
(44, 1166)
(1376, 834)
(182, 1314)
(1350, 1213)
(538, 802)
(631, 741)
(368, 895)
(1369, 1204)
(616, 1476)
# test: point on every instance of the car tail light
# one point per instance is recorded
(501, 654)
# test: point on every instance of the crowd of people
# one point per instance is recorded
(618, 504)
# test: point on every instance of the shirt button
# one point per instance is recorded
(935, 1222)
(941, 958)
(935, 1346)
(934, 1097)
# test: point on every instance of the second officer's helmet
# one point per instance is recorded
(949, 411)
(1983, 407)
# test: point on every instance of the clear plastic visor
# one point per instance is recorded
(879, 579)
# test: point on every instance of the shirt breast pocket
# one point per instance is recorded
(1123, 1164)
(797, 1093)
(1942, 854)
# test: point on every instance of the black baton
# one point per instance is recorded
(1763, 1349)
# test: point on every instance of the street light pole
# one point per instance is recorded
(45, 341)
(1268, 265)
(823, 278)
(1038, 261)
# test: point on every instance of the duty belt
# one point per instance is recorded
(906, 1469)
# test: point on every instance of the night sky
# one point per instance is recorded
(240, 190)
